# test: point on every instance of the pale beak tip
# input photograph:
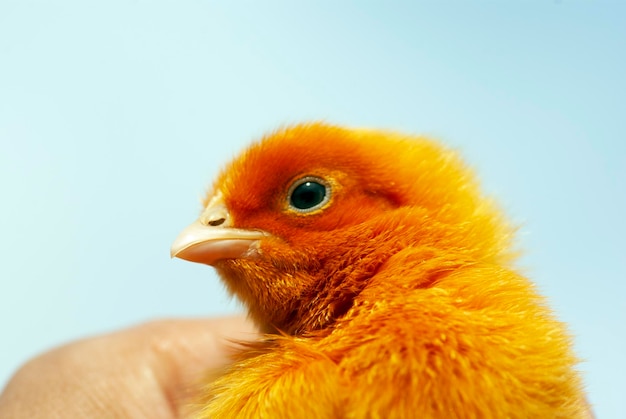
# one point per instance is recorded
(175, 250)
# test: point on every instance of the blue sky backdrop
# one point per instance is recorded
(115, 116)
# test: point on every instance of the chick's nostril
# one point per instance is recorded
(217, 222)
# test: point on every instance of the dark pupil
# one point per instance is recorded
(308, 195)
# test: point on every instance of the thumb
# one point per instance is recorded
(146, 371)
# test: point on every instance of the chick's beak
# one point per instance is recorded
(212, 238)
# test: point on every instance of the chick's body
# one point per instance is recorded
(382, 279)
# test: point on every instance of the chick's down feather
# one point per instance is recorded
(383, 281)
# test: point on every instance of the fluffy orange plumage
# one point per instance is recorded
(382, 279)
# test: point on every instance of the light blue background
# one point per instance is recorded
(115, 116)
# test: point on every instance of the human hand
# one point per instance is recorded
(148, 371)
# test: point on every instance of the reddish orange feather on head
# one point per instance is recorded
(389, 191)
(396, 289)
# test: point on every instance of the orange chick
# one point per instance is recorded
(382, 279)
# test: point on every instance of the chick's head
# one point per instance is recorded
(299, 223)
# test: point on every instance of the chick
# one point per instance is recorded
(383, 281)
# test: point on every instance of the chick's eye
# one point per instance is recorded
(308, 194)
